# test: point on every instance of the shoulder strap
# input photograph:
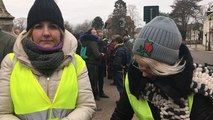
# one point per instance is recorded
(190, 101)
(74, 61)
(13, 58)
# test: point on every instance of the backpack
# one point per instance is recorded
(83, 52)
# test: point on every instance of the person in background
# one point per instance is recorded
(90, 53)
(162, 83)
(102, 64)
(92, 31)
(7, 41)
(110, 48)
(17, 31)
(119, 62)
(44, 79)
(77, 36)
(128, 43)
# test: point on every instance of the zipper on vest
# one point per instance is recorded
(48, 79)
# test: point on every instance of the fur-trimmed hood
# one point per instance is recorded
(89, 37)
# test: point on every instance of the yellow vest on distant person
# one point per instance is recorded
(141, 107)
(28, 96)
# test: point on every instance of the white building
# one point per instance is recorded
(208, 31)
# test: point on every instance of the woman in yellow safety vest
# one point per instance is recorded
(44, 79)
(162, 82)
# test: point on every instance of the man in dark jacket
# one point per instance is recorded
(120, 60)
(7, 41)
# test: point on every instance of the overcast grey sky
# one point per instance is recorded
(77, 11)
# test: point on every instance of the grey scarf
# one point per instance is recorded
(46, 61)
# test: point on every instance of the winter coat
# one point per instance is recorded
(109, 56)
(102, 46)
(7, 41)
(85, 101)
(193, 79)
(120, 58)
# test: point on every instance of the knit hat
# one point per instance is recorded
(160, 40)
(44, 10)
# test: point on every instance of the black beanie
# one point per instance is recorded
(45, 10)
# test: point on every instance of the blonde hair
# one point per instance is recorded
(159, 68)
(27, 34)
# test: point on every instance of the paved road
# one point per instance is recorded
(200, 55)
(108, 104)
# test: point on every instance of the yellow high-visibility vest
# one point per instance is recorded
(28, 96)
(141, 107)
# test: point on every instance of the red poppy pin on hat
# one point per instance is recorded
(160, 40)
(146, 48)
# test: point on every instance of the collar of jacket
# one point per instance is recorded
(119, 45)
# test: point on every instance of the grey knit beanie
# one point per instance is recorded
(160, 40)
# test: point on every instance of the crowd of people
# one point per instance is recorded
(104, 58)
(47, 73)
(7, 41)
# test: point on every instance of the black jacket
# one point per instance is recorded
(120, 58)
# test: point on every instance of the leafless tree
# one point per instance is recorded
(132, 11)
(20, 23)
(183, 11)
(82, 27)
(68, 26)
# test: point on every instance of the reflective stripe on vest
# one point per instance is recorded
(29, 97)
(141, 107)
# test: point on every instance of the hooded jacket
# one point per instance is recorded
(85, 101)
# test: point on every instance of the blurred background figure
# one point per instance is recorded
(102, 64)
(90, 53)
(17, 31)
(7, 41)
(128, 43)
(109, 59)
(119, 63)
